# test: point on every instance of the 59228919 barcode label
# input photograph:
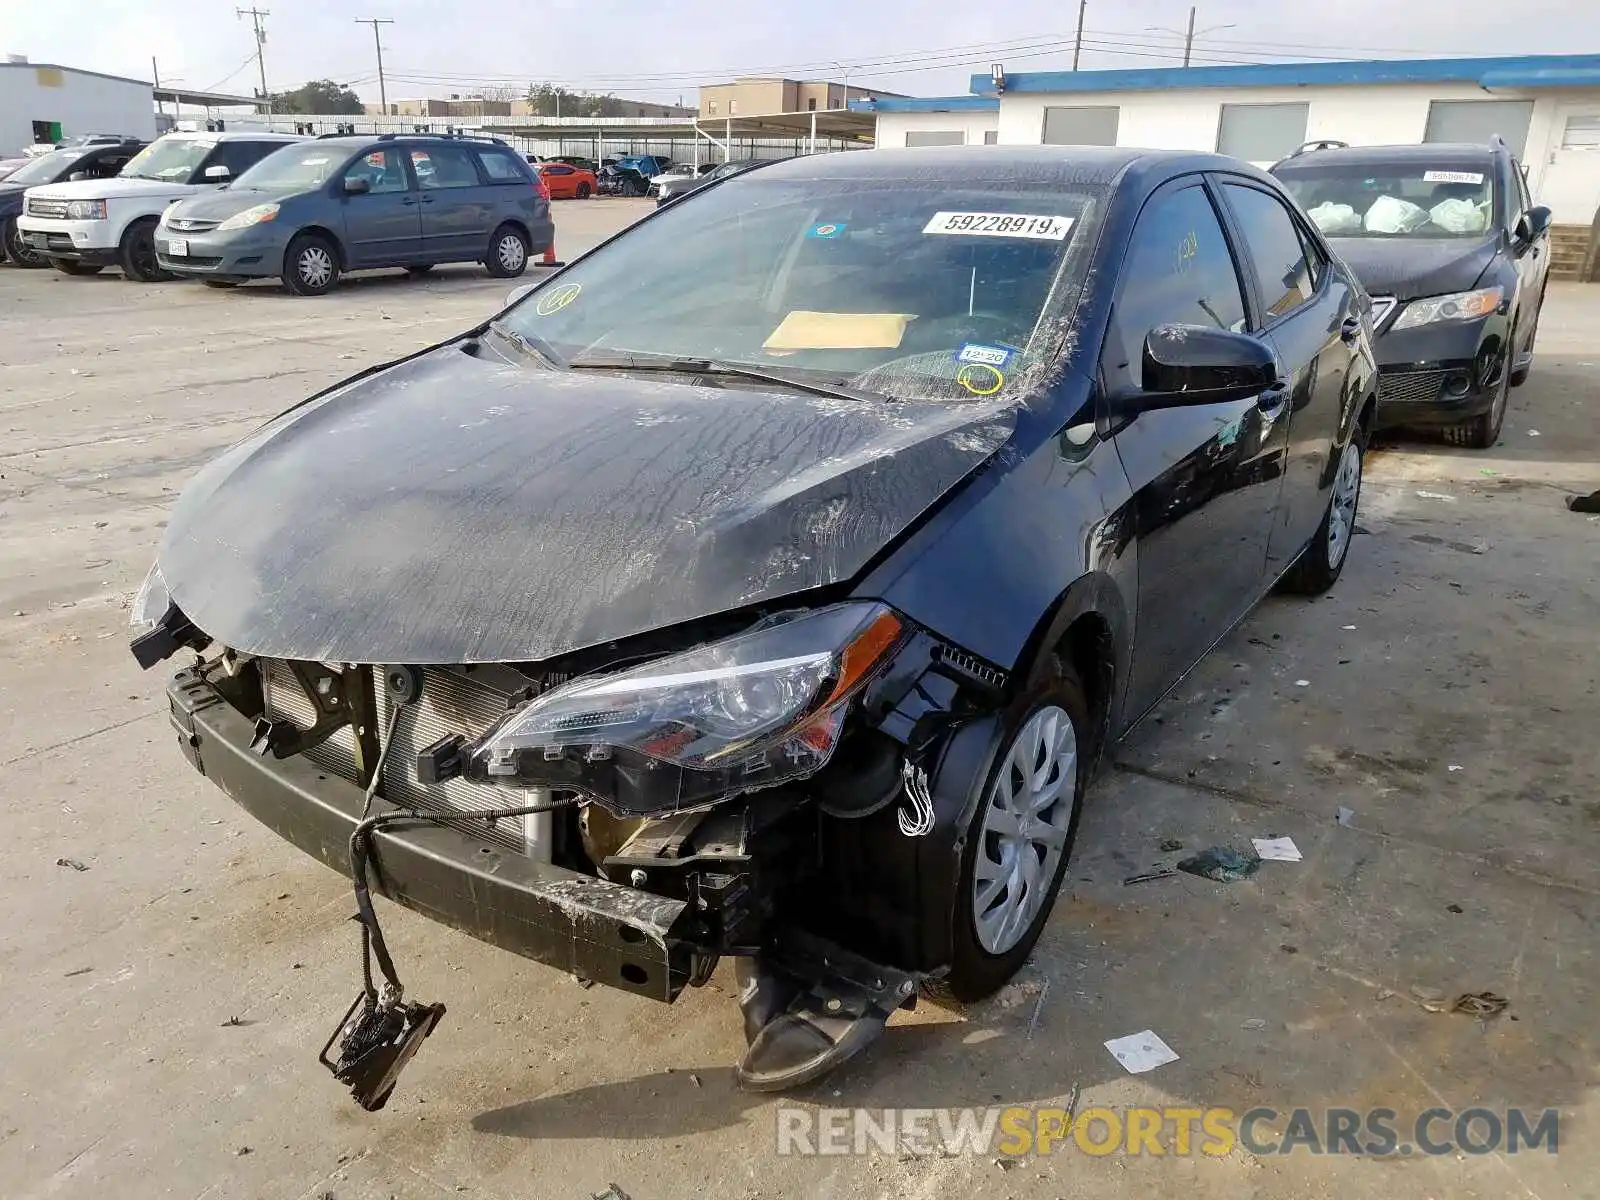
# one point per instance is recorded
(1013, 225)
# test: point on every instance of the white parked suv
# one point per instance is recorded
(87, 226)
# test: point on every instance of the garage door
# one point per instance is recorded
(1261, 133)
(1477, 121)
(935, 137)
(1081, 125)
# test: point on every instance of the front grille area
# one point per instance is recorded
(1409, 387)
(191, 225)
(39, 206)
(452, 702)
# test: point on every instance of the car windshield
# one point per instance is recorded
(292, 169)
(903, 287)
(171, 160)
(1389, 199)
(46, 167)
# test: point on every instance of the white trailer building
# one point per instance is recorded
(43, 102)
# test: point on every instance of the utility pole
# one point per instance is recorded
(1189, 34)
(1188, 40)
(1077, 41)
(383, 95)
(255, 15)
(155, 73)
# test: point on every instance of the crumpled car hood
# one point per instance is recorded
(457, 509)
(1409, 268)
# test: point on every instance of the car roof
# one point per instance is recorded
(233, 135)
(1029, 165)
(1425, 152)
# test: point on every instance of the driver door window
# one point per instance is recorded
(1178, 270)
(383, 170)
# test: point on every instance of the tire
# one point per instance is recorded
(1483, 431)
(136, 254)
(989, 946)
(1322, 561)
(418, 270)
(310, 265)
(68, 267)
(584, 191)
(508, 253)
(222, 283)
(16, 253)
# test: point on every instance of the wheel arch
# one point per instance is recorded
(323, 231)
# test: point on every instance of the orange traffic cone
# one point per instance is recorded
(549, 259)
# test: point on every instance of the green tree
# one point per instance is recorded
(317, 96)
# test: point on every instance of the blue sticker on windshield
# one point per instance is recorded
(828, 229)
(988, 356)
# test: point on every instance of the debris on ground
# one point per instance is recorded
(1018, 990)
(1171, 845)
(79, 971)
(1455, 908)
(694, 1079)
(1344, 816)
(1533, 433)
(1222, 864)
(613, 1192)
(1436, 496)
(1384, 993)
(1585, 504)
(1454, 767)
(242, 1151)
(1038, 1007)
(1482, 1005)
(1431, 999)
(1072, 1103)
(71, 862)
(1006, 1163)
(1150, 876)
(1277, 849)
(1252, 1023)
(1141, 1052)
(231, 1021)
(1302, 683)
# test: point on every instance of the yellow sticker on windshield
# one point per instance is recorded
(554, 301)
(802, 330)
(980, 379)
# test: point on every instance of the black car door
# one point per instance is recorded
(1532, 257)
(1311, 317)
(1204, 477)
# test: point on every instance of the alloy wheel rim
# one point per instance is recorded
(316, 267)
(1342, 512)
(511, 252)
(1027, 816)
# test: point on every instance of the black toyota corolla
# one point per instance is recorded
(769, 582)
(1454, 253)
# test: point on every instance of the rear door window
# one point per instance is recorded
(444, 167)
(1283, 275)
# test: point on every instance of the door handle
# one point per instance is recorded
(427, 199)
(408, 202)
(1349, 328)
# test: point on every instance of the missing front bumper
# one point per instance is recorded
(615, 935)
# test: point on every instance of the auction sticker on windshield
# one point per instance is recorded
(1017, 225)
(1473, 177)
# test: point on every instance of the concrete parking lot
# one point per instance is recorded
(170, 967)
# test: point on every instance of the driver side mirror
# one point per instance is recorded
(216, 172)
(357, 185)
(77, 177)
(1186, 365)
(517, 293)
(1531, 224)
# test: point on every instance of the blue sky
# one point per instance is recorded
(660, 50)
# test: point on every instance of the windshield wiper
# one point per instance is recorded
(713, 367)
(530, 344)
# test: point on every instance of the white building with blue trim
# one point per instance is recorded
(1546, 107)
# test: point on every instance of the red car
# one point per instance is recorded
(567, 182)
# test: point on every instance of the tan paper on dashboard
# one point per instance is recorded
(802, 330)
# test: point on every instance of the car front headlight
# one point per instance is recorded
(151, 601)
(86, 210)
(1457, 306)
(254, 215)
(761, 708)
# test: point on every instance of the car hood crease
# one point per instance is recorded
(1410, 268)
(456, 509)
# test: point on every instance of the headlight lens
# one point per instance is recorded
(254, 215)
(758, 709)
(151, 601)
(1457, 306)
(86, 210)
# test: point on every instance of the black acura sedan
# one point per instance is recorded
(769, 582)
(1455, 255)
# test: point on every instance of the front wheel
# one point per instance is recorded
(1483, 431)
(508, 253)
(583, 191)
(310, 265)
(137, 254)
(1021, 835)
(1322, 561)
(16, 252)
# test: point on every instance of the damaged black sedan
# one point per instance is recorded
(768, 583)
